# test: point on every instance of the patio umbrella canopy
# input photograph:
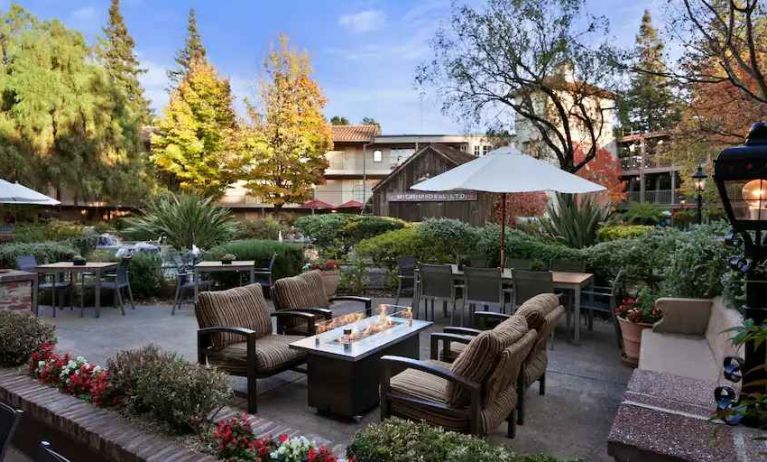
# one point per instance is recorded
(506, 170)
(15, 193)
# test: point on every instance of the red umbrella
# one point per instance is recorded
(316, 204)
(352, 204)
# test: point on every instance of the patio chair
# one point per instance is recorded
(117, 281)
(437, 282)
(519, 263)
(264, 275)
(567, 266)
(405, 275)
(56, 283)
(9, 421)
(474, 394)
(185, 286)
(528, 284)
(484, 286)
(603, 299)
(45, 453)
(306, 293)
(542, 312)
(236, 336)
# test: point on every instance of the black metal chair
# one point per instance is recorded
(46, 454)
(603, 299)
(9, 421)
(519, 264)
(437, 282)
(117, 282)
(483, 286)
(263, 276)
(185, 285)
(56, 283)
(567, 266)
(405, 275)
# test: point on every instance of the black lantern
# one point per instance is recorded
(740, 174)
(699, 177)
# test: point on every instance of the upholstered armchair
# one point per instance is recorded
(236, 336)
(543, 312)
(306, 293)
(474, 394)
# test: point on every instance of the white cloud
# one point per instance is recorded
(155, 83)
(364, 21)
(86, 13)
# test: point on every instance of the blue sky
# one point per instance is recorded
(364, 52)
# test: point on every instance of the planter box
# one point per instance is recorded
(79, 430)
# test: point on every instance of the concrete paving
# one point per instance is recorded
(584, 383)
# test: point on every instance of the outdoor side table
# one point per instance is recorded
(241, 266)
(97, 268)
(8, 276)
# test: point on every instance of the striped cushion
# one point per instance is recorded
(535, 366)
(272, 352)
(302, 291)
(238, 307)
(505, 374)
(498, 410)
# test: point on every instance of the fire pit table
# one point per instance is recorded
(343, 359)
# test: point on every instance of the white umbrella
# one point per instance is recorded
(507, 170)
(15, 193)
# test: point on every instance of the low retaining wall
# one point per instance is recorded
(80, 430)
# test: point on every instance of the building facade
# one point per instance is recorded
(650, 176)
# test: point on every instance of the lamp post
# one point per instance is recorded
(699, 178)
(740, 173)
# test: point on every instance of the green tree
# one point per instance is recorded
(339, 120)
(64, 123)
(196, 142)
(289, 135)
(193, 50)
(370, 121)
(119, 58)
(648, 105)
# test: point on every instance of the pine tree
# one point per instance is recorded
(119, 58)
(289, 136)
(196, 139)
(648, 105)
(193, 50)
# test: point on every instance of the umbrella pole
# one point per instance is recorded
(503, 231)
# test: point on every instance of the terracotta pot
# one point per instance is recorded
(632, 339)
(330, 280)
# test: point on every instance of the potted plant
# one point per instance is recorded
(636, 314)
(227, 259)
(330, 271)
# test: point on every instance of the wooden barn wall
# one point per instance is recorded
(472, 212)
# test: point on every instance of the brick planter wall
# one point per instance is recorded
(15, 296)
(79, 430)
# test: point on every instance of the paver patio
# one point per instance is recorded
(584, 383)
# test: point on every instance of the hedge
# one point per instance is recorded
(615, 232)
(44, 252)
(397, 440)
(290, 257)
(336, 233)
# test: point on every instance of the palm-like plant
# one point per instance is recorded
(573, 221)
(185, 221)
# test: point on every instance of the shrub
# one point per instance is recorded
(260, 228)
(385, 249)
(643, 213)
(397, 440)
(573, 221)
(697, 262)
(22, 334)
(146, 277)
(185, 221)
(616, 232)
(44, 252)
(445, 240)
(290, 257)
(326, 230)
(172, 391)
(521, 245)
(336, 233)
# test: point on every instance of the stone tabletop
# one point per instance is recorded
(665, 417)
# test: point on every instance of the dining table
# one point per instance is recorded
(96, 268)
(237, 266)
(562, 280)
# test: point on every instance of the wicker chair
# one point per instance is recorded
(236, 336)
(306, 293)
(474, 394)
(542, 312)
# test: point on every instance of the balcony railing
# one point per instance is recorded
(636, 162)
(661, 196)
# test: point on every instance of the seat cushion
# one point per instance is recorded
(685, 355)
(535, 366)
(303, 291)
(238, 307)
(272, 352)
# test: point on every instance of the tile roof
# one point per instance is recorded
(457, 156)
(354, 133)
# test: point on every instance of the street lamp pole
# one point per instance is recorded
(699, 177)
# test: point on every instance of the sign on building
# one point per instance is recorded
(431, 196)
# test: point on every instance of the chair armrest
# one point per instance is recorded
(481, 317)
(308, 317)
(262, 271)
(322, 312)
(367, 301)
(446, 338)
(461, 331)
(203, 338)
(433, 369)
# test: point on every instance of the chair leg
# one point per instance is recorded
(520, 412)
(399, 291)
(176, 300)
(542, 385)
(511, 421)
(130, 297)
(252, 395)
(119, 299)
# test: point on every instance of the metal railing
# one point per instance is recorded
(661, 196)
(637, 162)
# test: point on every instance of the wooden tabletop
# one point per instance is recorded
(12, 275)
(218, 264)
(69, 266)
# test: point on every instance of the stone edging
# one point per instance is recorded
(96, 430)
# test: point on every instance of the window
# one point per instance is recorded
(377, 156)
(476, 151)
(486, 149)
